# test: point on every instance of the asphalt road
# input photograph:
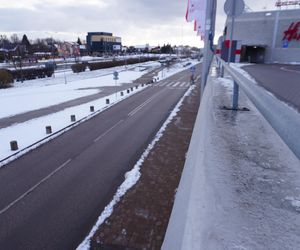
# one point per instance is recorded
(52, 196)
(281, 80)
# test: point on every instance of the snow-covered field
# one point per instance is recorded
(41, 93)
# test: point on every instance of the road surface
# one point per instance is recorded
(52, 196)
(281, 80)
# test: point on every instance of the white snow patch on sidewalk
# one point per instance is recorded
(132, 176)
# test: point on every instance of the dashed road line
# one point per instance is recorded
(34, 187)
(107, 131)
(138, 108)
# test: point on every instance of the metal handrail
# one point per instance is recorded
(284, 119)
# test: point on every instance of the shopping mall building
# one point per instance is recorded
(264, 37)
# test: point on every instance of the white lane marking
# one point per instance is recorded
(290, 70)
(171, 83)
(138, 108)
(182, 84)
(176, 84)
(107, 131)
(34, 187)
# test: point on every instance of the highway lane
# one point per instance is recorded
(281, 80)
(52, 196)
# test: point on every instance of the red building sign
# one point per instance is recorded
(293, 32)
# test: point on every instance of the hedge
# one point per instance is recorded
(110, 64)
(6, 78)
(78, 67)
(32, 73)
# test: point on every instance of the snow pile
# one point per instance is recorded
(132, 176)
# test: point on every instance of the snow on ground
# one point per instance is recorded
(132, 176)
(41, 93)
(22, 132)
(239, 67)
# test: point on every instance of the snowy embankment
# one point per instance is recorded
(131, 177)
(240, 188)
(41, 93)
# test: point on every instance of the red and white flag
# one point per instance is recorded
(196, 9)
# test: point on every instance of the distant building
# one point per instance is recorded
(264, 36)
(68, 49)
(103, 42)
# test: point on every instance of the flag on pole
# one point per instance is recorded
(195, 10)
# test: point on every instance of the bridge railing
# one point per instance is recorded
(284, 119)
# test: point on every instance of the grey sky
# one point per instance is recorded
(136, 21)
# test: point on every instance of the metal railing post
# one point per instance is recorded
(235, 97)
(222, 71)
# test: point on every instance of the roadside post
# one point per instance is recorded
(233, 8)
(116, 78)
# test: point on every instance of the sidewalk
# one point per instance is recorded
(240, 187)
(139, 220)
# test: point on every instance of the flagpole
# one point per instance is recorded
(209, 31)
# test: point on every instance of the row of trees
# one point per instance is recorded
(16, 46)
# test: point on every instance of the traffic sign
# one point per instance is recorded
(234, 7)
(116, 74)
(285, 44)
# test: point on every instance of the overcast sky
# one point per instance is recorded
(136, 21)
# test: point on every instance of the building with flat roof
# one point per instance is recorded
(103, 42)
(266, 36)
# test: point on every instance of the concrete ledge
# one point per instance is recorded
(240, 188)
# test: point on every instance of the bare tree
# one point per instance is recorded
(15, 39)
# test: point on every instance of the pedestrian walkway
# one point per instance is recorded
(240, 187)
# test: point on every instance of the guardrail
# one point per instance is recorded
(284, 119)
